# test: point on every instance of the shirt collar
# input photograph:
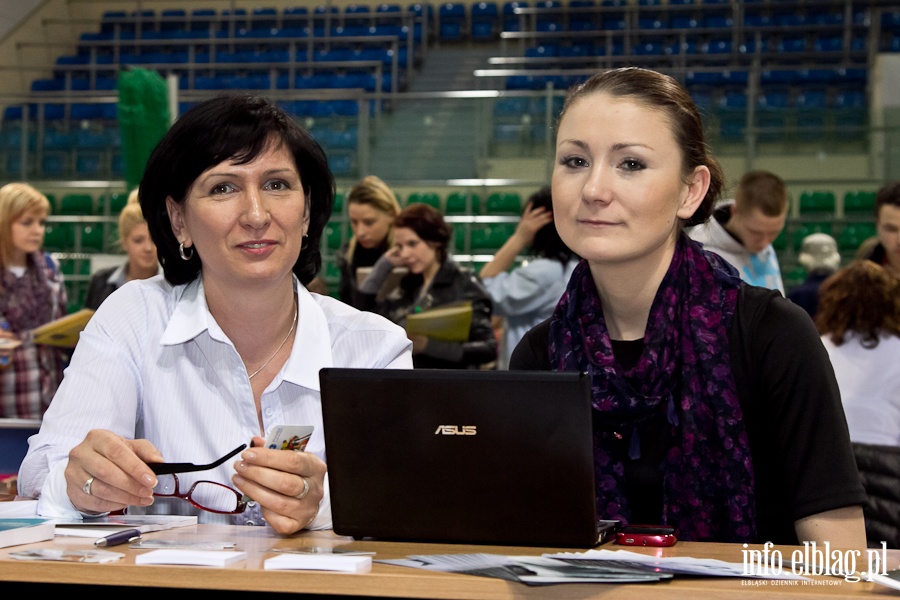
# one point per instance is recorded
(312, 343)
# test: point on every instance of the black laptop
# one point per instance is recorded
(483, 457)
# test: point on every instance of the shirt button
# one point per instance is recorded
(250, 523)
(251, 504)
(269, 412)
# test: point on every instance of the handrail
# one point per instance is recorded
(292, 43)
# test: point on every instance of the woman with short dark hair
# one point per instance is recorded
(228, 345)
(421, 242)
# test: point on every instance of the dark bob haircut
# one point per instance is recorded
(428, 223)
(239, 128)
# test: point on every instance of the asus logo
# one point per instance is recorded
(455, 430)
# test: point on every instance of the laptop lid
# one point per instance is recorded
(489, 457)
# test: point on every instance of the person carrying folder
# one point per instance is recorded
(226, 347)
(32, 293)
(421, 239)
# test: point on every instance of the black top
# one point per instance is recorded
(99, 288)
(348, 291)
(802, 458)
(452, 283)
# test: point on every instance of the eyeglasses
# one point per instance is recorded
(206, 495)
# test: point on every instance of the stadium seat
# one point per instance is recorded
(59, 237)
(817, 202)
(89, 237)
(503, 203)
(333, 235)
(485, 21)
(429, 198)
(452, 18)
(853, 235)
(510, 20)
(458, 204)
(859, 202)
(76, 204)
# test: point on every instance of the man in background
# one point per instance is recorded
(742, 230)
(884, 248)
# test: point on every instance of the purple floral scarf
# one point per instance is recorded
(685, 373)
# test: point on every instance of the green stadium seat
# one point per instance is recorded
(76, 204)
(459, 237)
(117, 201)
(859, 202)
(503, 203)
(457, 204)
(338, 207)
(59, 237)
(91, 237)
(853, 235)
(794, 277)
(333, 236)
(489, 238)
(780, 243)
(817, 202)
(805, 229)
(332, 272)
(429, 198)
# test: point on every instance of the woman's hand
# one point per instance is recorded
(533, 220)
(393, 255)
(116, 469)
(288, 485)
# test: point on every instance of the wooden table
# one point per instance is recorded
(389, 580)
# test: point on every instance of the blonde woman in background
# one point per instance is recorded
(142, 263)
(32, 293)
(372, 208)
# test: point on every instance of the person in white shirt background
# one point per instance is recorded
(859, 319)
(526, 295)
(229, 343)
(742, 230)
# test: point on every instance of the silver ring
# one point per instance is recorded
(305, 491)
(86, 488)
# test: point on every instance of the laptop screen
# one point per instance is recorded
(490, 457)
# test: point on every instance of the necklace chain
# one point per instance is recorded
(280, 346)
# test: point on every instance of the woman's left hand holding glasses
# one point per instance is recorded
(288, 485)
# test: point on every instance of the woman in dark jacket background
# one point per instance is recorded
(421, 239)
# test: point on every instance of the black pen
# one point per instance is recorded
(119, 537)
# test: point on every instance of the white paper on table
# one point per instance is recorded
(320, 562)
(18, 509)
(203, 558)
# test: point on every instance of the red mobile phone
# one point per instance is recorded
(646, 535)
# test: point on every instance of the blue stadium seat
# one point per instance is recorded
(452, 17)
(350, 20)
(202, 19)
(552, 17)
(173, 19)
(389, 14)
(295, 17)
(512, 21)
(485, 20)
(583, 21)
(263, 18)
